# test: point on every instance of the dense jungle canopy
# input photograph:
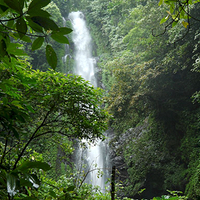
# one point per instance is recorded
(148, 64)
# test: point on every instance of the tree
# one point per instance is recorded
(37, 104)
(43, 103)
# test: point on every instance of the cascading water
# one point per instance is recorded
(95, 156)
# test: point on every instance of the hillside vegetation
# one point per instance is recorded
(148, 56)
(150, 73)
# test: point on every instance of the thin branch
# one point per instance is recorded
(33, 35)
(86, 176)
(165, 29)
(12, 148)
(47, 132)
(188, 28)
(12, 19)
(31, 138)
(110, 169)
(189, 13)
(39, 135)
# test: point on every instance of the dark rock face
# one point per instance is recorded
(98, 76)
(117, 146)
(151, 160)
(120, 143)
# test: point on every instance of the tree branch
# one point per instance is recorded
(177, 16)
(12, 19)
(33, 35)
(188, 12)
(31, 138)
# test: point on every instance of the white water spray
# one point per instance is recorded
(84, 62)
(96, 156)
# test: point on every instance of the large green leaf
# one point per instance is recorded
(34, 25)
(14, 4)
(25, 182)
(58, 37)
(21, 4)
(51, 57)
(17, 104)
(39, 12)
(37, 4)
(65, 30)
(10, 23)
(13, 49)
(21, 27)
(3, 8)
(174, 23)
(164, 19)
(37, 43)
(46, 23)
(33, 164)
(27, 39)
(160, 2)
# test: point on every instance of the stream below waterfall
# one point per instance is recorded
(95, 158)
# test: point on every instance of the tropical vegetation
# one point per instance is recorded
(39, 109)
(148, 68)
(149, 60)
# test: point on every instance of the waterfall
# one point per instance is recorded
(95, 156)
(84, 62)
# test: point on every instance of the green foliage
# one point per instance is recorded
(22, 20)
(51, 56)
(176, 195)
(149, 85)
(35, 104)
(178, 10)
(40, 106)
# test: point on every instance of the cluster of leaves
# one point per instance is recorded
(176, 195)
(37, 57)
(146, 77)
(25, 20)
(36, 104)
(178, 10)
